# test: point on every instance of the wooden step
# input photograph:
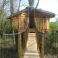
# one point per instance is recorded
(31, 55)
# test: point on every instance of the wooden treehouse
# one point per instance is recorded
(30, 20)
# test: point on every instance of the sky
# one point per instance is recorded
(48, 5)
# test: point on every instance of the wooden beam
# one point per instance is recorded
(42, 45)
(43, 39)
(20, 51)
(32, 30)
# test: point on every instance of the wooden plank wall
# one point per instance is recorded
(42, 24)
(20, 22)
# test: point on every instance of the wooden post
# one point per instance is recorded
(43, 38)
(42, 44)
(41, 47)
(20, 51)
(22, 44)
(37, 39)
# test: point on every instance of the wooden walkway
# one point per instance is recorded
(31, 49)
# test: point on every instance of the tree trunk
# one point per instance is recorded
(11, 7)
(31, 3)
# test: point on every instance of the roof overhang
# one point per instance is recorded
(35, 11)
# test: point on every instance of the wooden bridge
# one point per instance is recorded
(31, 49)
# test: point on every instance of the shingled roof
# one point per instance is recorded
(37, 12)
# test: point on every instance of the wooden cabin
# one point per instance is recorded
(30, 20)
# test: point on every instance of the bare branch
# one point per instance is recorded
(11, 7)
(19, 5)
(37, 4)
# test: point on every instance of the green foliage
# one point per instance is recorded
(52, 39)
(5, 24)
(53, 26)
(8, 26)
(1, 20)
(51, 46)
